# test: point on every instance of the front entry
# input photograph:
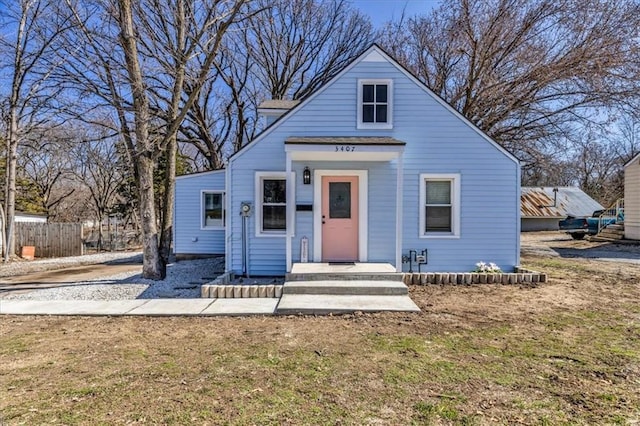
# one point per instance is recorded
(340, 218)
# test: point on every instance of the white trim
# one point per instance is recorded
(290, 219)
(454, 178)
(375, 125)
(399, 211)
(227, 229)
(374, 56)
(204, 227)
(343, 152)
(200, 174)
(637, 157)
(518, 213)
(259, 176)
(363, 211)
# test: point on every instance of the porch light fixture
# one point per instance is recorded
(306, 176)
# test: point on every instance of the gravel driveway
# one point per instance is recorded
(183, 280)
(551, 244)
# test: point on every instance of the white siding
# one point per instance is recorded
(632, 200)
(438, 141)
(188, 235)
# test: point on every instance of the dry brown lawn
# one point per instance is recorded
(563, 352)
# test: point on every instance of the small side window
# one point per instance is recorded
(271, 204)
(274, 204)
(213, 213)
(439, 205)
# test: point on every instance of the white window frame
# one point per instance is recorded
(203, 225)
(259, 190)
(454, 179)
(389, 123)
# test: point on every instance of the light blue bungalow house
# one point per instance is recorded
(372, 167)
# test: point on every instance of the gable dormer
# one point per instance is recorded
(275, 108)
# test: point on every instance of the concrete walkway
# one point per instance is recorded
(312, 304)
(148, 307)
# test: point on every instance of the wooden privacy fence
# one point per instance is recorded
(50, 239)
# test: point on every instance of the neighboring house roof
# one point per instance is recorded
(538, 202)
(636, 158)
(372, 51)
(30, 217)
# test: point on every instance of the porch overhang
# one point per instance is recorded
(348, 149)
(332, 148)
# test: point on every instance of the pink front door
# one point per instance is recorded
(339, 218)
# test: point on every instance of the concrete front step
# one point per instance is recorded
(343, 272)
(346, 287)
(344, 277)
(341, 304)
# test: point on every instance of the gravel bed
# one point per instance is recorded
(18, 266)
(183, 280)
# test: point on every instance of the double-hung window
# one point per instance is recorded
(212, 210)
(375, 106)
(439, 205)
(271, 203)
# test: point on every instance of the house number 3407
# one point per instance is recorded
(345, 148)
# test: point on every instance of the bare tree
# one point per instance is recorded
(287, 49)
(157, 41)
(101, 171)
(527, 72)
(298, 45)
(36, 24)
(44, 161)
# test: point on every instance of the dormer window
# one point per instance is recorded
(375, 104)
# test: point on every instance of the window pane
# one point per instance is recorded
(339, 200)
(381, 113)
(367, 113)
(274, 218)
(438, 192)
(381, 93)
(367, 93)
(213, 210)
(438, 219)
(275, 191)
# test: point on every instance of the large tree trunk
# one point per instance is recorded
(168, 206)
(154, 266)
(172, 143)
